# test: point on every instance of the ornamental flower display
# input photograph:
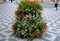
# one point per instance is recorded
(29, 22)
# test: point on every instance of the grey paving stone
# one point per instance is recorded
(54, 29)
(37, 40)
(3, 29)
(8, 31)
(5, 25)
(2, 35)
(10, 39)
(2, 39)
(57, 38)
(11, 35)
(48, 35)
(44, 39)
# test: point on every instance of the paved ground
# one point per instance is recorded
(49, 14)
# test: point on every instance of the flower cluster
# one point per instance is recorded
(29, 22)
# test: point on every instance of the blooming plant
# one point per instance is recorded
(29, 22)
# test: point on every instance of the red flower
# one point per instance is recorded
(28, 21)
(19, 16)
(36, 33)
(14, 28)
(23, 15)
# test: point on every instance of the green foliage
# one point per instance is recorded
(28, 19)
(29, 5)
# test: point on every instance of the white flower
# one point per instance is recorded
(24, 21)
(24, 17)
(37, 30)
(18, 25)
(27, 16)
(25, 27)
(23, 33)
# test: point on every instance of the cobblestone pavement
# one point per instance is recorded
(51, 16)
